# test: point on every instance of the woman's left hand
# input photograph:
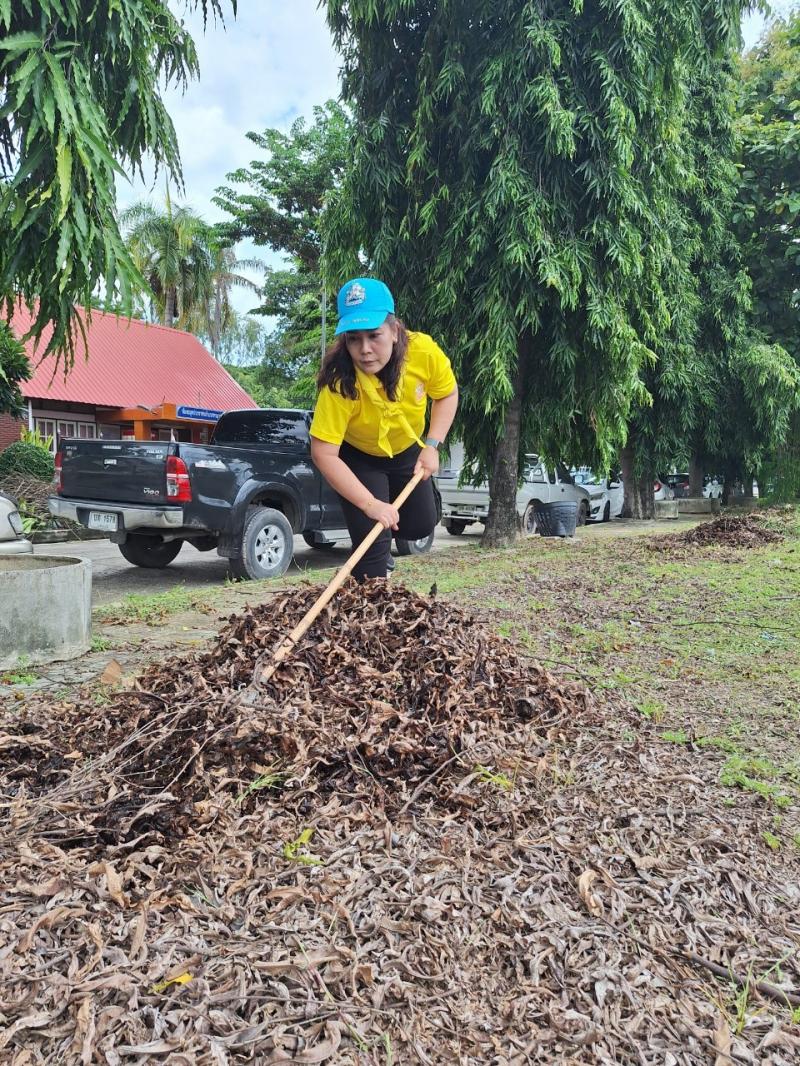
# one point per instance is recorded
(428, 463)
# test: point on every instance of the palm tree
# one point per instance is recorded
(171, 248)
(219, 314)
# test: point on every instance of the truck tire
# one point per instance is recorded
(150, 552)
(267, 546)
(529, 519)
(454, 526)
(323, 546)
(583, 513)
(414, 547)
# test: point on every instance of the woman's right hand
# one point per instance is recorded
(385, 513)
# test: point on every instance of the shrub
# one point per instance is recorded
(22, 458)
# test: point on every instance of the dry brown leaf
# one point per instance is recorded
(593, 904)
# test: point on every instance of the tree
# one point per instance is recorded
(277, 203)
(170, 249)
(14, 368)
(81, 86)
(223, 277)
(768, 208)
(514, 171)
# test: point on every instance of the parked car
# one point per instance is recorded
(245, 494)
(662, 490)
(607, 503)
(462, 505)
(12, 535)
(712, 486)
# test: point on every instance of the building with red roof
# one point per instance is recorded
(131, 381)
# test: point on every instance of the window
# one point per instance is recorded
(87, 430)
(285, 430)
(65, 429)
(47, 428)
(534, 472)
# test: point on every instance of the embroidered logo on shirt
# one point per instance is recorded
(355, 295)
(419, 392)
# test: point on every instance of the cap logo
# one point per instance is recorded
(355, 295)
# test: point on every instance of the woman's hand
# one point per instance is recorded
(385, 513)
(428, 463)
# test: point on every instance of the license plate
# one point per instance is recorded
(102, 520)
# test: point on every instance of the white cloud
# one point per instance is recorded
(263, 69)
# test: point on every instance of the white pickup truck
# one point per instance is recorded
(464, 504)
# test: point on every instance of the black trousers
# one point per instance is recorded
(385, 478)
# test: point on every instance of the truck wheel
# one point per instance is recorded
(323, 546)
(583, 513)
(454, 526)
(414, 547)
(267, 546)
(529, 519)
(150, 552)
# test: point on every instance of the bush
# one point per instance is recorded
(22, 458)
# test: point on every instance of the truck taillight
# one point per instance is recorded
(657, 486)
(179, 487)
(57, 485)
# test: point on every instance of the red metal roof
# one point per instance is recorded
(129, 363)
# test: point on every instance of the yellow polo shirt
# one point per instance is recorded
(373, 423)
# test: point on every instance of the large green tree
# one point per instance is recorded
(277, 202)
(81, 85)
(768, 207)
(514, 169)
(170, 247)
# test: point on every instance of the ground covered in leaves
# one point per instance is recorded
(414, 844)
(732, 531)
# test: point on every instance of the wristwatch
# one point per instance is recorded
(432, 442)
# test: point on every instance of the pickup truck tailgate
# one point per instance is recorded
(123, 472)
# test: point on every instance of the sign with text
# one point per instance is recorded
(198, 414)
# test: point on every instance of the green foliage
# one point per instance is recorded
(35, 436)
(278, 203)
(31, 459)
(514, 177)
(768, 206)
(81, 85)
(14, 368)
(280, 199)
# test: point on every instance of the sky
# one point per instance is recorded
(265, 68)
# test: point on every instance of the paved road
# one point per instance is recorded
(113, 577)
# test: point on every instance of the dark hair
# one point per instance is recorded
(339, 373)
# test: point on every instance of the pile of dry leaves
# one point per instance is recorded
(738, 531)
(410, 847)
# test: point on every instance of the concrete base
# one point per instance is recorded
(666, 509)
(697, 505)
(744, 503)
(46, 608)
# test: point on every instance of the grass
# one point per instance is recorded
(157, 608)
(706, 646)
(21, 675)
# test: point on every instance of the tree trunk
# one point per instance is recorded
(695, 476)
(747, 485)
(217, 333)
(639, 501)
(503, 526)
(169, 306)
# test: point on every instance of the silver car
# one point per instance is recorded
(12, 536)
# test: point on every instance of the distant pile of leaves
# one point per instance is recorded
(410, 845)
(740, 531)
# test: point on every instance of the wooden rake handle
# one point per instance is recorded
(336, 582)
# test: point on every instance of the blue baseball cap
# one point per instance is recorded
(363, 303)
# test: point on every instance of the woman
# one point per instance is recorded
(367, 431)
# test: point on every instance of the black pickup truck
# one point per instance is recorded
(246, 494)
